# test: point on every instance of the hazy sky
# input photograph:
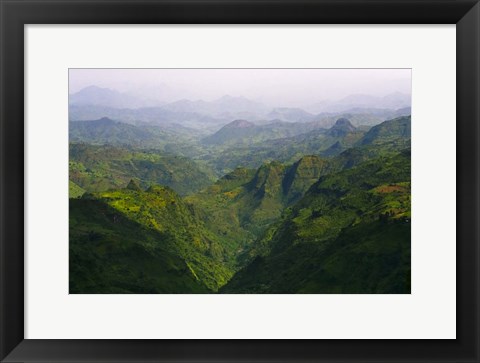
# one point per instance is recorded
(286, 87)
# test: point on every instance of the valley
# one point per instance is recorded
(239, 181)
(249, 209)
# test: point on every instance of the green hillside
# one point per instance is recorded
(74, 191)
(107, 131)
(110, 253)
(321, 142)
(242, 204)
(234, 132)
(350, 233)
(140, 135)
(238, 144)
(399, 128)
(178, 230)
(244, 133)
(99, 168)
(326, 211)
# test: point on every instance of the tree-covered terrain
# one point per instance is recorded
(103, 167)
(243, 207)
(110, 253)
(350, 233)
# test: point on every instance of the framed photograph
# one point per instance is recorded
(240, 181)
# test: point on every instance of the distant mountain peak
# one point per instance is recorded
(106, 120)
(93, 87)
(98, 96)
(342, 127)
(240, 124)
(290, 114)
(344, 122)
(231, 132)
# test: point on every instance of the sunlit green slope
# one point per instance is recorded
(99, 168)
(242, 204)
(109, 253)
(337, 224)
(349, 234)
(172, 226)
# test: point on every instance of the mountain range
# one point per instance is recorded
(348, 234)
(278, 207)
(102, 167)
(95, 102)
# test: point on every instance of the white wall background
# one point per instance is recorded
(429, 312)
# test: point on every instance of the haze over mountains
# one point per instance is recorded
(395, 100)
(94, 102)
(171, 193)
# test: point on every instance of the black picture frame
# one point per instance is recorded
(17, 13)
